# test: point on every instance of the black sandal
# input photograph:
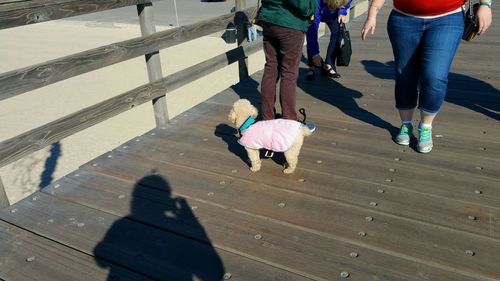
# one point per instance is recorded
(310, 74)
(329, 73)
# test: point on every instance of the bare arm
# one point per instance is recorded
(371, 19)
(484, 18)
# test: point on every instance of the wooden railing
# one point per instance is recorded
(19, 81)
(15, 13)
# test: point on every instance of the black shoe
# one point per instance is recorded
(330, 73)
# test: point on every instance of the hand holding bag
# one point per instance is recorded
(343, 48)
(471, 26)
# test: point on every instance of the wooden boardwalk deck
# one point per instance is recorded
(179, 202)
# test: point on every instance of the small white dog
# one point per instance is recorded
(280, 135)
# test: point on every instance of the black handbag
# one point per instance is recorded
(343, 48)
(471, 27)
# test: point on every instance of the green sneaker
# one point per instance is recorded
(424, 140)
(403, 138)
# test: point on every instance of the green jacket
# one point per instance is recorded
(294, 14)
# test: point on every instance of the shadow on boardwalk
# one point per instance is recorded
(463, 90)
(154, 252)
(344, 99)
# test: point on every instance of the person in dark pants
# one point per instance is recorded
(284, 23)
(332, 13)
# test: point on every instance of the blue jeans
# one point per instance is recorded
(423, 52)
(334, 35)
(312, 42)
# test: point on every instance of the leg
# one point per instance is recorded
(291, 43)
(427, 118)
(292, 155)
(271, 70)
(405, 33)
(312, 40)
(312, 48)
(406, 129)
(254, 156)
(334, 35)
(436, 62)
(406, 115)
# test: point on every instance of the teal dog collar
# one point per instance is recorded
(250, 120)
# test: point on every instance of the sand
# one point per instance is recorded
(38, 43)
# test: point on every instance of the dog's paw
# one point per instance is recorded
(289, 168)
(255, 168)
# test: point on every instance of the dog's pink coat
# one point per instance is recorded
(276, 135)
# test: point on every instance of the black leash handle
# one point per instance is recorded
(303, 112)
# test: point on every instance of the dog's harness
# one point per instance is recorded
(247, 142)
(274, 135)
(250, 120)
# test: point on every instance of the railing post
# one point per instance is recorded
(241, 23)
(145, 12)
(4, 201)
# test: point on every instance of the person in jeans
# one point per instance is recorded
(425, 36)
(284, 23)
(332, 13)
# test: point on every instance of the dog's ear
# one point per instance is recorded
(232, 116)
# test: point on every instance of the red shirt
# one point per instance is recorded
(427, 7)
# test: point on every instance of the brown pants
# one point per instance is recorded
(283, 50)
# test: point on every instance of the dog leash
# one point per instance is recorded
(303, 112)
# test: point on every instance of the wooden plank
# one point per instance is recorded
(452, 202)
(329, 217)
(26, 256)
(19, 81)
(483, 153)
(475, 101)
(374, 106)
(144, 249)
(352, 135)
(485, 84)
(17, 147)
(446, 158)
(18, 13)
(281, 244)
(384, 147)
